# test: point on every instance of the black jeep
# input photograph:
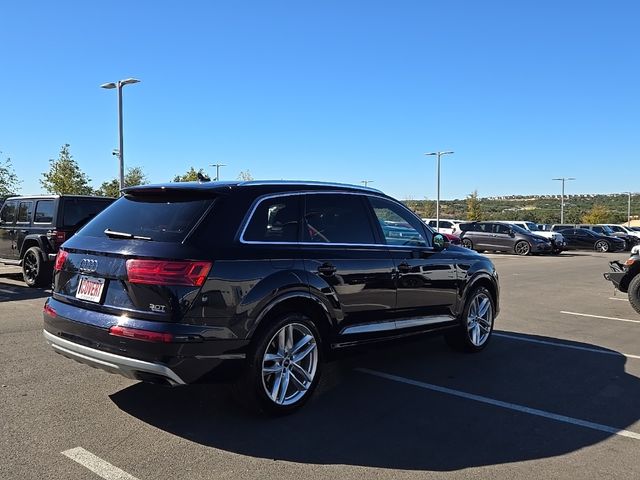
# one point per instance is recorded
(33, 227)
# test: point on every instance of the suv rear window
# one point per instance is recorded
(161, 218)
(44, 211)
(337, 218)
(78, 211)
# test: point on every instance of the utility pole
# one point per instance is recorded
(562, 179)
(119, 84)
(366, 182)
(438, 154)
(217, 165)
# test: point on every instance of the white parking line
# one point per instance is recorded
(97, 465)
(566, 345)
(509, 406)
(600, 316)
(618, 298)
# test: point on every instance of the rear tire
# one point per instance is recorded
(633, 291)
(476, 325)
(283, 366)
(36, 272)
(522, 248)
(466, 243)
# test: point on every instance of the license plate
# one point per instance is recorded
(90, 288)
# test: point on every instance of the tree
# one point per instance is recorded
(9, 183)
(65, 176)
(190, 176)
(245, 176)
(474, 207)
(597, 214)
(134, 176)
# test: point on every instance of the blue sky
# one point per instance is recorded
(333, 90)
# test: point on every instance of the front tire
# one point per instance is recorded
(35, 271)
(474, 332)
(283, 367)
(522, 248)
(602, 246)
(633, 291)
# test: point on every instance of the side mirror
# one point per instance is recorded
(439, 242)
(512, 233)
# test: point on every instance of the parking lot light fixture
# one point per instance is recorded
(366, 182)
(217, 165)
(438, 154)
(109, 86)
(563, 180)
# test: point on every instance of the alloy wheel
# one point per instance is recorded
(479, 319)
(30, 267)
(602, 246)
(289, 364)
(522, 248)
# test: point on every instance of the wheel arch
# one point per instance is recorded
(33, 241)
(481, 279)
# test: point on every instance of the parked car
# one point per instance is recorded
(623, 229)
(557, 240)
(446, 225)
(182, 282)
(581, 239)
(625, 278)
(502, 237)
(33, 227)
(629, 240)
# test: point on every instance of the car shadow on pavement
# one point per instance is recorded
(10, 292)
(356, 418)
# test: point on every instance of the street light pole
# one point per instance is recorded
(366, 182)
(217, 165)
(562, 179)
(438, 154)
(119, 84)
(629, 210)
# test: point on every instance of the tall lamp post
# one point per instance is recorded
(629, 209)
(217, 165)
(438, 154)
(562, 179)
(366, 182)
(119, 84)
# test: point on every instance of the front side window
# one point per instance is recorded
(337, 218)
(8, 212)
(275, 220)
(24, 212)
(44, 211)
(398, 226)
(502, 229)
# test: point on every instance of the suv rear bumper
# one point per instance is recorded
(112, 363)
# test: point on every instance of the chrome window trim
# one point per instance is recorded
(260, 199)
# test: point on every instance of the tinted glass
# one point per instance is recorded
(162, 218)
(531, 226)
(484, 227)
(503, 229)
(78, 211)
(275, 220)
(468, 227)
(337, 218)
(24, 212)
(520, 230)
(8, 212)
(399, 227)
(44, 211)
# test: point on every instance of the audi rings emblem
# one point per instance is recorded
(88, 265)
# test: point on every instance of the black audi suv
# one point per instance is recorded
(192, 282)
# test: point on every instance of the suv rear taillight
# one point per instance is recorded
(61, 257)
(58, 236)
(167, 272)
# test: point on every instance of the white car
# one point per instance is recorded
(557, 240)
(622, 229)
(446, 224)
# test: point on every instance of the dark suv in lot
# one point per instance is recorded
(33, 227)
(502, 237)
(192, 282)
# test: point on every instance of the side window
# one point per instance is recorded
(274, 220)
(501, 229)
(8, 212)
(24, 212)
(398, 226)
(484, 227)
(44, 212)
(432, 223)
(445, 224)
(337, 218)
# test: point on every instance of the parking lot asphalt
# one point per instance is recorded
(554, 395)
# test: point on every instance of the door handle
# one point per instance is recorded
(327, 269)
(404, 267)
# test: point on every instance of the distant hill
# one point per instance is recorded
(536, 208)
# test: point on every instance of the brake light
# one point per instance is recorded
(61, 257)
(49, 310)
(167, 272)
(137, 334)
(58, 236)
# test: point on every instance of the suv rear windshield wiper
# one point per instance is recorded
(113, 234)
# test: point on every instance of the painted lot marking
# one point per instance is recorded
(600, 316)
(620, 299)
(506, 405)
(97, 465)
(566, 345)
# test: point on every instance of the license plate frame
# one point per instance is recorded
(90, 289)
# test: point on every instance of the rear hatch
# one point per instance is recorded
(134, 258)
